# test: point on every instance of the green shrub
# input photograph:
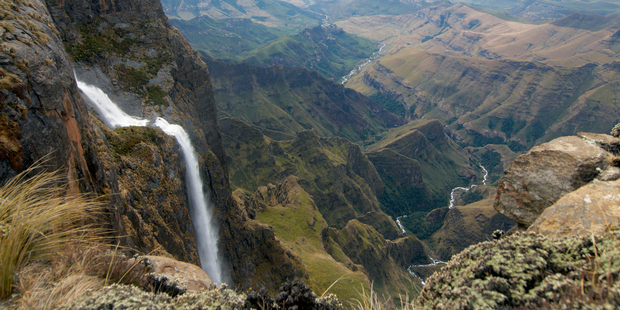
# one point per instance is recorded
(530, 271)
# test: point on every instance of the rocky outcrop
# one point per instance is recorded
(151, 173)
(591, 209)
(536, 180)
(182, 276)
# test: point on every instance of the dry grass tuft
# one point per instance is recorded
(37, 220)
(51, 249)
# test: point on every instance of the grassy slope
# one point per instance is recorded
(299, 228)
(522, 101)
(282, 101)
(442, 163)
(328, 50)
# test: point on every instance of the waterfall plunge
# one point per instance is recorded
(200, 211)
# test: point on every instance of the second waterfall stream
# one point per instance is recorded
(205, 231)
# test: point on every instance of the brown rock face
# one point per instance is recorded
(536, 180)
(41, 111)
(588, 210)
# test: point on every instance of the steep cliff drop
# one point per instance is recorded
(200, 209)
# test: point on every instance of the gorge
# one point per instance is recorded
(250, 158)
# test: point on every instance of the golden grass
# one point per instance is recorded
(371, 301)
(48, 236)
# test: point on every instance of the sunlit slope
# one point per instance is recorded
(462, 31)
(536, 10)
(519, 103)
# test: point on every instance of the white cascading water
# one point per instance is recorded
(200, 211)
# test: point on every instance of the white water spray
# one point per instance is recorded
(200, 211)
(400, 225)
(204, 228)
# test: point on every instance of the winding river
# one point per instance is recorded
(375, 56)
(436, 262)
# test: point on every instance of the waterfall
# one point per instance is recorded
(200, 211)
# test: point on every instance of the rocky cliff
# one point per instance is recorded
(129, 49)
(43, 114)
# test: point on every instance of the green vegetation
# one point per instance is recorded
(326, 49)
(299, 226)
(530, 271)
(416, 224)
(227, 38)
(391, 105)
(282, 101)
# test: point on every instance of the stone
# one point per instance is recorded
(536, 180)
(186, 275)
(590, 209)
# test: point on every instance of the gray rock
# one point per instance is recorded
(588, 210)
(536, 180)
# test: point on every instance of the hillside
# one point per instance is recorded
(271, 13)
(419, 165)
(330, 186)
(496, 101)
(226, 38)
(459, 31)
(326, 49)
(545, 10)
(282, 101)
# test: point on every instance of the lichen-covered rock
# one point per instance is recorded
(590, 209)
(536, 180)
(530, 271)
(130, 297)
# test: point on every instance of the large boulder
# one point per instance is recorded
(536, 180)
(588, 210)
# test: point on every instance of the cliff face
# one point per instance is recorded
(42, 112)
(131, 51)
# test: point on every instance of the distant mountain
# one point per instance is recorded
(326, 49)
(494, 81)
(547, 10)
(272, 13)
